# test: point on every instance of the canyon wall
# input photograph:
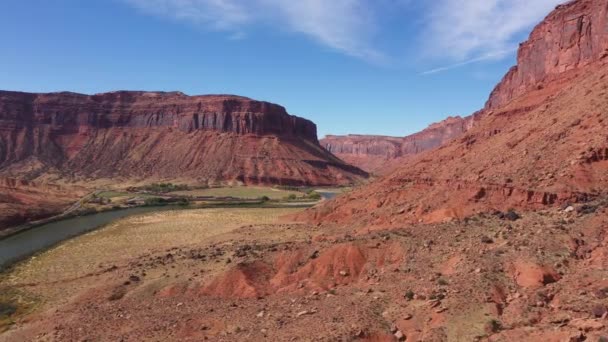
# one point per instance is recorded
(139, 135)
(377, 153)
(541, 140)
(572, 36)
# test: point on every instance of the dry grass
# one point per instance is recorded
(134, 236)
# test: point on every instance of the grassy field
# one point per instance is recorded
(113, 194)
(137, 235)
(250, 192)
(67, 268)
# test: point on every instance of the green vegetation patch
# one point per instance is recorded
(243, 192)
(164, 188)
(112, 194)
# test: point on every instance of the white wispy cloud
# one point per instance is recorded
(467, 30)
(455, 32)
(488, 56)
(343, 25)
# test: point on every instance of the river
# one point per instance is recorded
(21, 245)
(28, 242)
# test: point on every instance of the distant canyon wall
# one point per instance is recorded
(378, 153)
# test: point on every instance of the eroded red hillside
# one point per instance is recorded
(535, 144)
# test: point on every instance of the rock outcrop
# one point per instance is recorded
(572, 36)
(378, 153)
(531, 147)
(141, 135)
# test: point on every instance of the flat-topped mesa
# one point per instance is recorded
(363, 145)
(70, 112)
(150, 136)
(575, 35)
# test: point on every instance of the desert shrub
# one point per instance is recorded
(7, 309)
(152, 201)
(313, 195)
(164, 187)
(183, 201)
(494, 325)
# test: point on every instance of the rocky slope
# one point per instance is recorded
(532, 146)
(21, 200)
(151, 135)
(378, 154)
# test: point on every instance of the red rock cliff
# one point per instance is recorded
(540, 142)
(572, 36)
(375, 153)
(70, 112)
(162, 135)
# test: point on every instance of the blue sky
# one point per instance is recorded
(352, 66)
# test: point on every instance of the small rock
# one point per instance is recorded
(260, 314)
(407, 317)
(305, 312)
(569, 209)
(512, 216)
(344, 273)
(434, 303)
(599, 311)
(487, 239)
(399, 336)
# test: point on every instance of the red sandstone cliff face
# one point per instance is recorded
(571, 37)
(532, 147)
(378, 153)
(139, 135)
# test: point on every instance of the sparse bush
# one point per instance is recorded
(313, 195)
(164, 187)
(494, 326)
(291, 197)
(153, 201)
(409, 295)
(265, 198)
(7, 309)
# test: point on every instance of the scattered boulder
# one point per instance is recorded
(599, 311)
(512, 216)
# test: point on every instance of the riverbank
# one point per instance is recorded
(100, 201)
